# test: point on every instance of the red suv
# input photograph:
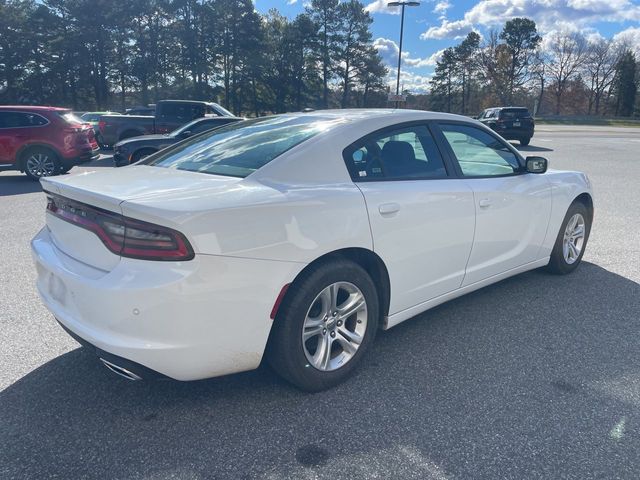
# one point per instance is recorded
(44, 141)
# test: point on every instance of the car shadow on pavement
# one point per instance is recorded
(537, 376)
(17, 184)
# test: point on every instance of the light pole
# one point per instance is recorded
(402, 4)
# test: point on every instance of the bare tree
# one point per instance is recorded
(568, 54)
(539, 76)
(600, 66)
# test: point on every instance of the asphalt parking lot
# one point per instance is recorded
(535, 377)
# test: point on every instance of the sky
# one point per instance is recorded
(438, 24)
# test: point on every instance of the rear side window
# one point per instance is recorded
(407, 153)
(21, 119)
(239, 149)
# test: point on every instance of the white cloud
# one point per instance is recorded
(548, 14)
(291, 2)
(388, 50)
(410, 81)
(447, 29)
(442, 6)
(380, 6)
(629, 37)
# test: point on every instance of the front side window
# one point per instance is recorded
(401, 154)
(479, 153)
(239, 149)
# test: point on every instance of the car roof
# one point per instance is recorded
(186, 101)
(37, 108)
(362, 114)
(507, 108)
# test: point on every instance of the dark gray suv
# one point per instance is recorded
(512, 123)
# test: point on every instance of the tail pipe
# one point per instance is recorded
(123, 372)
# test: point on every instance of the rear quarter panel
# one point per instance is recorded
(264, 221)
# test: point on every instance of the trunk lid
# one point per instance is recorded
(108, 190)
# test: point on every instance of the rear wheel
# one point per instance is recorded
(525, 141)
(571, 241)
(41, 162)
(325, 325)
(100, 142)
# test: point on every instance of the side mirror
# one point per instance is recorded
(475, 117)
(537, 164)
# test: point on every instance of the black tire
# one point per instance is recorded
(286, 352)
(558, 264)
(101, 144)
(140, 154)
(40, 162)
(525, 141)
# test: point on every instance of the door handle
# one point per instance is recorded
(388, 208)
(484, 203)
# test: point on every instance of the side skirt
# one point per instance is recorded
(396, 318)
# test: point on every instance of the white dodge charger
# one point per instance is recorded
(296, 237)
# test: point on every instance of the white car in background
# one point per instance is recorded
(298, 236)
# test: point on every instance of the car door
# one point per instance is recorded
(512, 207)
(421, 218)
(14, 132)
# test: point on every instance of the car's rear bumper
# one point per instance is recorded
(83, 156)
(187, 320)
(515, 133)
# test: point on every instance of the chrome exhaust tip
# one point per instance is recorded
(123, 372)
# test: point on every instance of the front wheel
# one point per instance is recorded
(139, 155)
(571, 241)
(525, 141)
(325, 325)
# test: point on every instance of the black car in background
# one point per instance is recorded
(512, 123)
(133, 149)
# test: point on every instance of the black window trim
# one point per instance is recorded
(348, 151)
(26, 113)
(452, 156)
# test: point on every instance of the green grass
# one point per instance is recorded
(612, 122)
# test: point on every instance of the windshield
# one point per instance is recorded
(224, 111)
(239, 149)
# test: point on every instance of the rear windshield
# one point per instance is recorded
(514, 113)
(239, 149)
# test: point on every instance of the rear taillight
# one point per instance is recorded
(121, 235)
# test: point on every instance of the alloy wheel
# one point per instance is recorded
(573, 240)
(41, 165)
(334, 326)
